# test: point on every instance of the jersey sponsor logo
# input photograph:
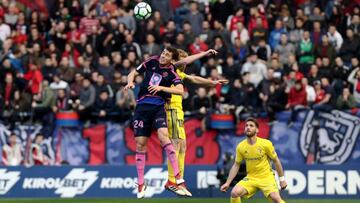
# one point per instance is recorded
(329, 138)
(7, 180)
(155, 79)
(155, 180)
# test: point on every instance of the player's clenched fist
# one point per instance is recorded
(129, 86)
(283, 185)
(224, 187)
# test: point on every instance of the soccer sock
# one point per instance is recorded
(282, 201)
(181, 161)
(235, 200)
(171, 154)
(140, 158)
(171, 175)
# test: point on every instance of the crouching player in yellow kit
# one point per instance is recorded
(256, 152)
(175, 116)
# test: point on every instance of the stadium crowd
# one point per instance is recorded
(277, 54)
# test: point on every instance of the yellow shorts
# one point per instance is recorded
(267, 185)
(175, 118)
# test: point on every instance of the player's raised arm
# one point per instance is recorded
(130, 79)
(232, 174)
(204, 81)
(280, 171)
(194, 57)
(177, 89)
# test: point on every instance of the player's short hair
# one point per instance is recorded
(182, 54)
(252, 120)
(174, 52)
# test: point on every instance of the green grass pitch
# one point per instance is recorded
(178, 200)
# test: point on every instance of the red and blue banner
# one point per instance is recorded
(326, 138)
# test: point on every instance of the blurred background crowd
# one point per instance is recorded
(75, 55)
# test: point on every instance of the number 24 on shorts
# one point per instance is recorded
(138, 124)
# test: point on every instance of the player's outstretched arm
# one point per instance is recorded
(232, 174)
(280, 171)
(194, 57)
(204, 81)
(130, 79)
(177, 89)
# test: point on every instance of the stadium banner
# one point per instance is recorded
(324, 138)
(304, 181)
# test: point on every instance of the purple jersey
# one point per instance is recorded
(156, 75)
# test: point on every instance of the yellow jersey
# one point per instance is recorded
(256, 157)
(176, 100)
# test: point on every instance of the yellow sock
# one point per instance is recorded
(171, 175)
(282, 201)
(181, 163)
(235, 200)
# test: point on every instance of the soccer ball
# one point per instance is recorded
(142, 11)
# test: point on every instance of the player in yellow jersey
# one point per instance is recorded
(175, 116)
(257, 153)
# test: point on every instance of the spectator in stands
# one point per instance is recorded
(297, 100)
(34, 78)
(274, 38)
(125, 101)
(5, 29)
(296, 34)
(305, 52)
(350, 46)
(195, 18)
(12, 152)
(231, 68)
(62, 102)
(88, 22)
(105, 68)
(255, 68)
(335, 37)
(325, 49)
(58, 83)
(354, 79)
(222, 50)
(87, 99)
(355, 24)
(201, 103)
(207, 34)
(346, 100)
(103, 108)
(327, 103)
(241, 33)
(263, 50)
(151, 47)
(37, 156)
(233, 20)
(277, 99)
(284, 49)
(310, 91)
(264, 87)
(339, 73)
(224, 34)
(130, 45)
(48, 70)
(101, 85)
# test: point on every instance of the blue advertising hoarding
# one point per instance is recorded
(316, 181)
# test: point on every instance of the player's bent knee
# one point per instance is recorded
(238, 191)
(275, 196)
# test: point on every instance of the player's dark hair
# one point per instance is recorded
(252, 120)
(174, 52)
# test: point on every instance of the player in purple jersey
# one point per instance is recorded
(155, 91)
